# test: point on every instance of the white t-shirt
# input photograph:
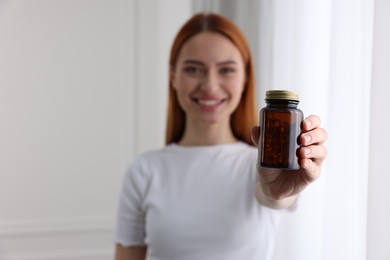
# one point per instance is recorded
(192, 203)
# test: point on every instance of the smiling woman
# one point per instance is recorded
(202, 196)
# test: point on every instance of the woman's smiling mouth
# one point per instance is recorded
(209, 104)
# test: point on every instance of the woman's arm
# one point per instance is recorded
(130, 253)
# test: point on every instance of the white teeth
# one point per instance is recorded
(209, 102)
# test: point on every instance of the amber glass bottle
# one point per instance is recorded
(280, 127)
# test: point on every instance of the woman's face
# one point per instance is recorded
(209, 78)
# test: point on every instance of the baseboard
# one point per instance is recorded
(83, 238)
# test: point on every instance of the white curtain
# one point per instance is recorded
(323, 50)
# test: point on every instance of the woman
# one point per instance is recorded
(202, 196)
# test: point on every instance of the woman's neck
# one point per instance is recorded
(207, 134)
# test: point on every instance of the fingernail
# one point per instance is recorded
(307, 138)
(308, 123)
(306, 151)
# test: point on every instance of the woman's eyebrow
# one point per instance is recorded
(227, 62)
(222, 63)
(194, 62)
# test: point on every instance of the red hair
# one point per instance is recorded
(245, 116)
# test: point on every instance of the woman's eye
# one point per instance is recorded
(193, 70)
(227, 70)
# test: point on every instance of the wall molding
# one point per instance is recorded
(25, 227)
(81, 255)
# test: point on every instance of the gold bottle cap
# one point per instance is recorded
(281, 95)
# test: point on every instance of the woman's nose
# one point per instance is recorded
(210, 82)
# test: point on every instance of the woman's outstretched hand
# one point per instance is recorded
(278, 188)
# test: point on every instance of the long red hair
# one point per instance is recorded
(245, 116)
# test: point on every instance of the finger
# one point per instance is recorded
(311, 163)
(311, 122)
(311, 171)
(316, 136)
(316, 153)
(255, 132)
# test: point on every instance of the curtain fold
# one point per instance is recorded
(321, 49)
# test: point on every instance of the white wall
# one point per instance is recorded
(82, 90)
(61, 111)
(378, 232)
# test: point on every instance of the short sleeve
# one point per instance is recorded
(130, 225)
